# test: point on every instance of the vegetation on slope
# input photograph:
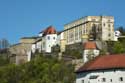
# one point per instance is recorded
(40, 70)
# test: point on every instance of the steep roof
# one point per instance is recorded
(90, 45)
(104, 62)
(49, 30)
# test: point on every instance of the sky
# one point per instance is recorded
(24, 18)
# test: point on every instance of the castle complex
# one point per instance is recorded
(89, 28)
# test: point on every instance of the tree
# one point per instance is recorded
(122, 30)
(103, 52)
(118, 48)
(4, 43)
(41, 69)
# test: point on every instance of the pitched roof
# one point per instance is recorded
(104, 62)
(49, 30)
(90, 45)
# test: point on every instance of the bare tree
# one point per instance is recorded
(4, 43)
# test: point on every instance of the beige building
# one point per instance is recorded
(21, 52)
(61, 41)
(94, 27)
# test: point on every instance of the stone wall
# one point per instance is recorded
(18, 53)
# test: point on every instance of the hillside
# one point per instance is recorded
(39, 70)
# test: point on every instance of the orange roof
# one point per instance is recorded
(104, 62)
(49, 30)
(90, 45)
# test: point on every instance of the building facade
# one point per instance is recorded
(97, 27)
(22, 52)
(49, 39)
(104, 69)
(117, 34)
(61, 41)
(90, 51)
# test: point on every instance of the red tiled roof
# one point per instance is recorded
(50, 30)
(90, 45)
(104, 62)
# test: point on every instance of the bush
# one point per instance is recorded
(40, 70)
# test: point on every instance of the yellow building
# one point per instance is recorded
(95, 27)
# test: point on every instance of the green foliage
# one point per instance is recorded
(103, 52)
(118, 48)
(74, 53)
(90, 55)
(40, 70)
(122, 30)
(4, 60)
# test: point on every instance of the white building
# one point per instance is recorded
(49, 39)
(117, 34)
(37, 45)
(104, 69)
(90, 51)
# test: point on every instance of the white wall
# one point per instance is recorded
(109, 75)
(40, 34)
(95, 53)
(60, 37)
(106, 30)
(29, 56)
(39, 46)
(33, 48)
(43, 43)
(49, 41)
(116, 35)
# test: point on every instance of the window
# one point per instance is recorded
(110, 80)
(93, 77)
(121, 79)
(108, 25)
(104, 24)
(109, 34)
(82, 81)
(48, 37)
(54, 38)
(103, 80)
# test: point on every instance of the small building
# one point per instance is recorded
(90, 51)
(117, 34)
(49, 39)
(21, 52)
(103, 69)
